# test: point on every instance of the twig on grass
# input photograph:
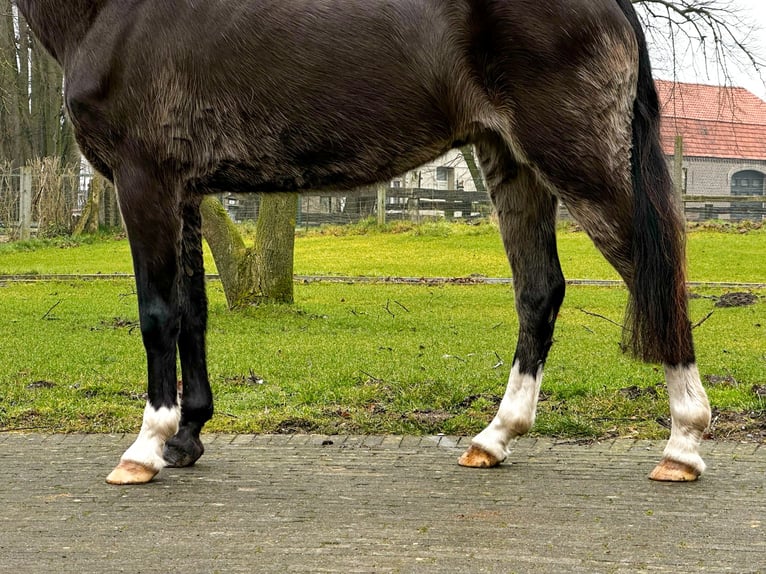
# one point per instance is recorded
(621, 326)
(373, 379)
(48, 312)
(705, 318)
(402, 306)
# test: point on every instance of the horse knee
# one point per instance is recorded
(160, 323)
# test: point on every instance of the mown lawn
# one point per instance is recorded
(374, 358)
(428, 250)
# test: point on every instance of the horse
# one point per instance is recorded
(177, 99)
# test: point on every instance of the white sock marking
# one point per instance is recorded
(690, 414)
(157, 427)
(515, 415)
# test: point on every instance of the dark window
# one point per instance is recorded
(747, 182)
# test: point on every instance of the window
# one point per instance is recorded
(445, 177)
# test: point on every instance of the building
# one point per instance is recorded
(447, 172)
(723, 130)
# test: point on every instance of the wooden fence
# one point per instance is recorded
(417, 204)
(22, 213)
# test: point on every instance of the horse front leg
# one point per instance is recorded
(154, 228)
(185, 447)
(527, 217)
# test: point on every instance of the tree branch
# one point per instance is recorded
(716, 28)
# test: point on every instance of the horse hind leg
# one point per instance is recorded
(658, 309)
(526, 212)
(645, 245)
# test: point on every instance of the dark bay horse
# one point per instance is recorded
(175, 99)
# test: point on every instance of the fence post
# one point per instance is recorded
(413, 207)
(25, 203)
(678, 168)
(382, 204)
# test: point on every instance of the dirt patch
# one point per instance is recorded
(117, 323)
(469, 400)
(429, 418)
(747, 426)
(41, 385)
(133, 396)
(635, 392)
(721, 381)
(296, 426)
(251, 379)
(736, 299)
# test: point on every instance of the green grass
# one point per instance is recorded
(430, 250)
(369, 358)
(338, 361)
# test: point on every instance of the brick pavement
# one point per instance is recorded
(378, 504)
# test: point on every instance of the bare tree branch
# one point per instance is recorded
(713, 34)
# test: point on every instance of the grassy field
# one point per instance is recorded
(375, 358)
(428, 250)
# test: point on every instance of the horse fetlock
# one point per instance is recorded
(518, 423)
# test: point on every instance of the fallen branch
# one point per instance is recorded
(705, 318)
(601, 317)
(48, 312)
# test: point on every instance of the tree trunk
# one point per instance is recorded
(89, 219)
(264, 272)
(470, 161)
(111, 210)
(15, 145)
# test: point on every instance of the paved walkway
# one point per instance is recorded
(378, 504)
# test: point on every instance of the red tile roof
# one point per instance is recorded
(714, 121)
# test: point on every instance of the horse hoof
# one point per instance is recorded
(672, 471)
(179, 453)
(476, 457)
(128, 472)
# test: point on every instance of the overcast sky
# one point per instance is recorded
(694, 69)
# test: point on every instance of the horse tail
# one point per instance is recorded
(657, 328)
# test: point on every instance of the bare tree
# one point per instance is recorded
(713, 36)
(32, 121)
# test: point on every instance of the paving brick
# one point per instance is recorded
(377, 504)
